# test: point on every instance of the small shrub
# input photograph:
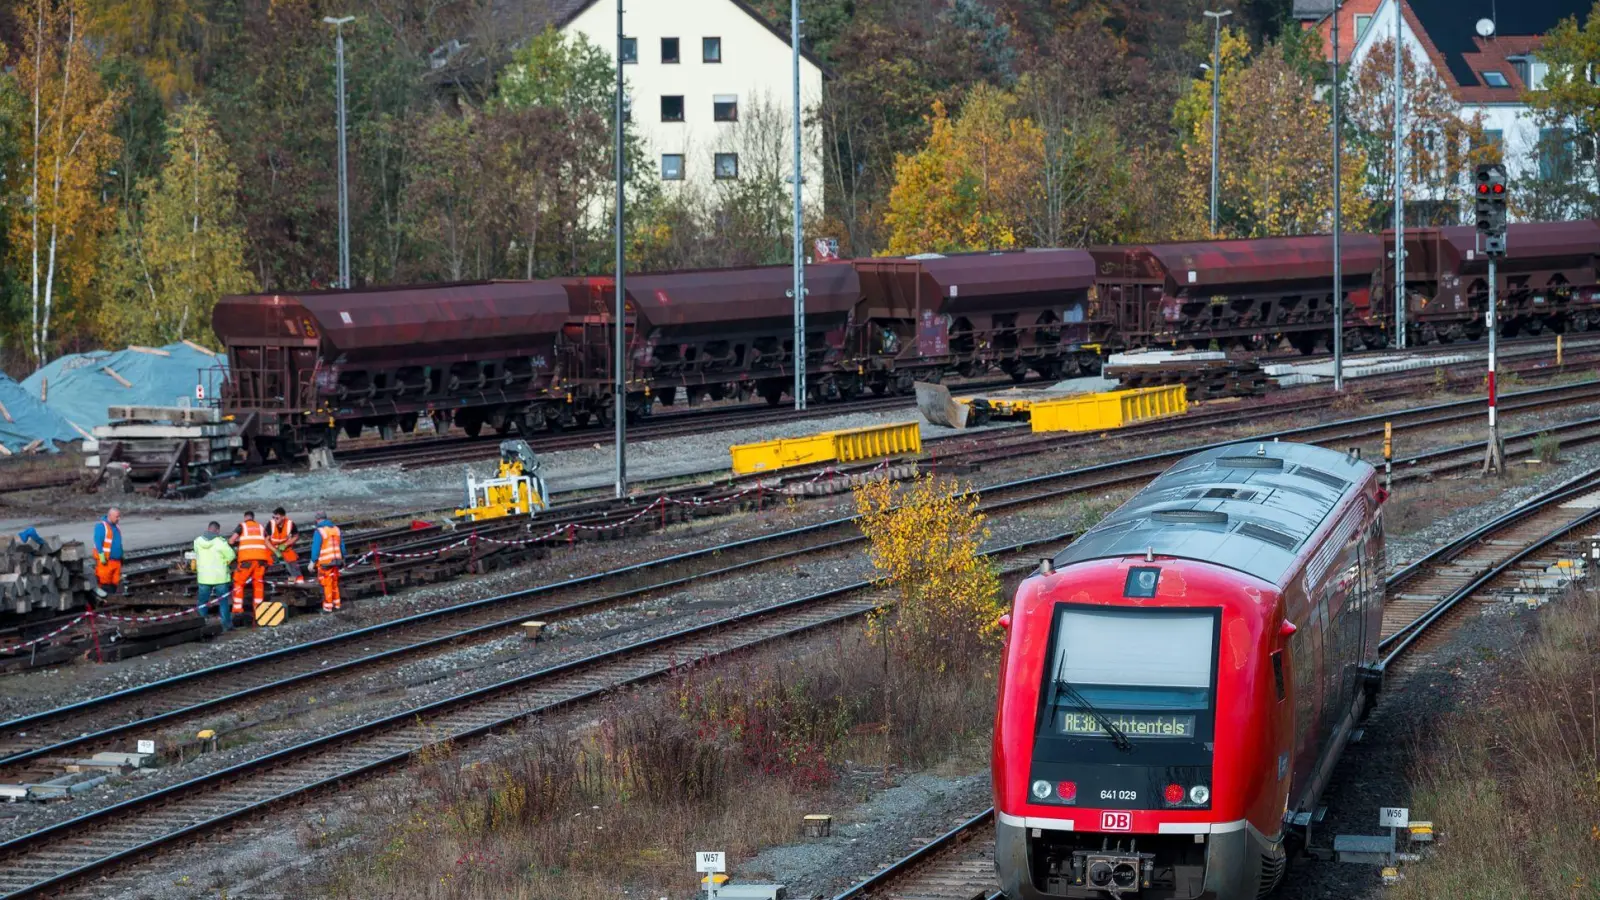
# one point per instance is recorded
(926, 536)
(1546, 447)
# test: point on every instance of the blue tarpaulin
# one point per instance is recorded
(23, 419)
(80, 386)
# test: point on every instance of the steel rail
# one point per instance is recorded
(812, 611)
(233, 669)
(916, 859)
(1396, 644)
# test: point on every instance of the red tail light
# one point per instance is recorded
(1174, 793)
(1067, 790)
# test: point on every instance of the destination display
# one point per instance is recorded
(1159, 725)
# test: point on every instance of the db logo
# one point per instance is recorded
(1116, 821)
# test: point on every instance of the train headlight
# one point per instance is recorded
(1199, 794)
(1041, 790)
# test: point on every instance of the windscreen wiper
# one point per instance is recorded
(1118, 736)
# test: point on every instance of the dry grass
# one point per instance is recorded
(726, 755)
(1418, 504)
(1513, 784)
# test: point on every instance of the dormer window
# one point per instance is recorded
(1495, 79)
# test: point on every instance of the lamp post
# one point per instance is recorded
(344, 191)
(1216, 101)
(799, 259)
(619, 398)
(1399, 186)
(1338, 262)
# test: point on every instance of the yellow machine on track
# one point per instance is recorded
(515, 490)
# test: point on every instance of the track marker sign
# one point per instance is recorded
(710, 861)
(1393, 817)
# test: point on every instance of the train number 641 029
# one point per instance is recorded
(1119, 795)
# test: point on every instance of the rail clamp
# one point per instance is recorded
(851, 445)
(1114, 409)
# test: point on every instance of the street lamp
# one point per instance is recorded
(1338, 263)
(1399, 186)
(619, 397)
(1216, 98)
(344, 191)
(799, 289)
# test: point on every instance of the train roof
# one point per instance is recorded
(1250, 507)
(1241, 261)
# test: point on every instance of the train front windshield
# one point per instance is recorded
(1147, 673)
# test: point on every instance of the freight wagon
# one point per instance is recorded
(534, 355)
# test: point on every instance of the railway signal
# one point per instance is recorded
(1490, 202)
(1491, 207)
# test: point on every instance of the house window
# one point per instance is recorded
(725, 166)
(1555, 150)
(725, 108)
(1361, 25)
(1494, 142)
(711, 50)
(630, 50)
(1495, 79)
(627, 107)
(1523, 70)
(672, 108)
(669, 50)
(672, 167)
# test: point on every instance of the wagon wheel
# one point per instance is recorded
(473, 427)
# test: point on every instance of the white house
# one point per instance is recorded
(1486, 53)
(710, 86)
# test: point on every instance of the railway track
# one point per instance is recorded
(420, 453)
(1422, 602)
(100, 722)
(103, 838)
(52, 858)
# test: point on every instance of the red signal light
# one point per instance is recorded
(1483, 189)
(1499, 189)
(1067, 790)
(1174, 793)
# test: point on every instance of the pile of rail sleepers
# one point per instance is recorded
(56, 577)
(1206, 375)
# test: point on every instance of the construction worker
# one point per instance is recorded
(281, 535)
(108, 554)
(212, 555)
(254, 558)
(327, 557)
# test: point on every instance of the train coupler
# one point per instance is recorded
(1115, 872)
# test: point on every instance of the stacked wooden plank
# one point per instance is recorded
(169, 445)
(57, 577)
(1208, 378)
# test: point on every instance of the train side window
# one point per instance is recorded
(1277, 673)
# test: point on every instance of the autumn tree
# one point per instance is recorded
(1567, 106)
(1441, 143)
(183, 248)
(67, 146)
(165, 38)
(1276, 162)
(951, 195)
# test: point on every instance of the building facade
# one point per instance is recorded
(710, 91)
(1484, 52)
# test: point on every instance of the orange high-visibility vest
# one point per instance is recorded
(281, 530)
(329, 554)
(253, 543)
(111, 536)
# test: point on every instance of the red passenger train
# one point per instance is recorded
(1178, 683)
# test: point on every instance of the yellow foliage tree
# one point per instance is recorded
(926, 538)
(948, 196)
(67, 146)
